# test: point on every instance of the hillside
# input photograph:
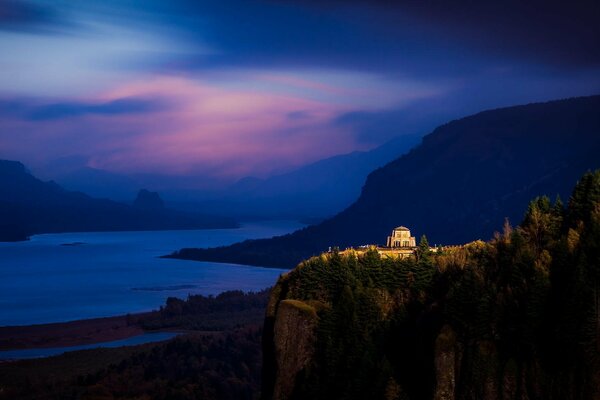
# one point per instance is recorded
(457, 186)
(514, 318)
(29, 206)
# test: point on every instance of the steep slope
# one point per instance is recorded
(458, 185)
(29, 206)
(511, 319)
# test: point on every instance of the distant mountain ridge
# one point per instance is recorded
(327, 185)
(29, 206)
(99, 183)
(457, 186)
(147, 200)
(319, 189)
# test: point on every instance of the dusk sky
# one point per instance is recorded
(233, 88)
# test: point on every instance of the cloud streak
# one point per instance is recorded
(27, 16)
(226, 131)
(113, 107)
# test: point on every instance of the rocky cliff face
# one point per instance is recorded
(447, 364)
(294, 340)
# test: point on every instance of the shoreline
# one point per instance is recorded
(71, 333)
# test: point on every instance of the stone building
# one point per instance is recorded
(401, 238)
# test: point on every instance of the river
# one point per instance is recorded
(70, 276)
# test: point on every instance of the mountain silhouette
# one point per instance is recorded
(29, 206)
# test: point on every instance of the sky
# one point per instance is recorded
(232, 88)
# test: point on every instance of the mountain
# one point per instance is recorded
(319, 189)
(513, 318)
(316, 190)
(98, 183)
(29, 206)
(147, 200)
(324, 187)
(464, 179)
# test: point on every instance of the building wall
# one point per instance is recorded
(384, 252)
(401, 239)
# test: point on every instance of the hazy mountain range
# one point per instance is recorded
(319, 189)
(29, 205)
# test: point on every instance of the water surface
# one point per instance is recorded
(69, 276)
(22, 354)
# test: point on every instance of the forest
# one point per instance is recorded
(517, 317)
(217, 356)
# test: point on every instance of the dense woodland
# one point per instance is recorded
(218, 358)
(195, 366)
(227, 310)
(519, 316)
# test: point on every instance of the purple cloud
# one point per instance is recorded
(113, 107)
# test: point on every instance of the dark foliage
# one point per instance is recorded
(224, 363)
(209, 313)
(523, 311)
(220, 366)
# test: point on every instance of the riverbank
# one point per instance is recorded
(207, 314)
(211, 365)
(73, 333)
(206, 345)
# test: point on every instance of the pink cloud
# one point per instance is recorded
(204, 127)
(305, 83)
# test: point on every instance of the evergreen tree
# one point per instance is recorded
(525, 308)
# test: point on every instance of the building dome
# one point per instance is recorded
(401, 238)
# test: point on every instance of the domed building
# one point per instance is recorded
(401, 238)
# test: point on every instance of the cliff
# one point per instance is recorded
(517, 317)
(293, 339)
